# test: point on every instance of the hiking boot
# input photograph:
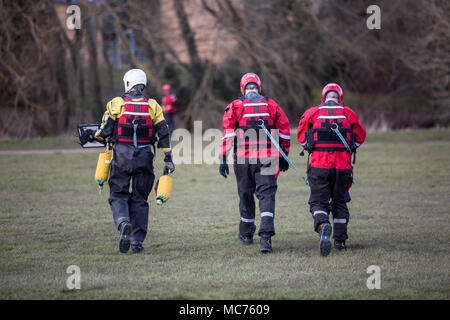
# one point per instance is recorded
(246, 241)
(325, 239)
(137, 248)
(125, 236)
(266, 244)
(339, 245)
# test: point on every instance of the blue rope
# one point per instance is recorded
(335, 128)
(135, 139)
(275, 143)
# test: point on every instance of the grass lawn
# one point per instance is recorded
(51, 217)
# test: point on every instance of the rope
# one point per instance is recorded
(275, 143)
(335, 128)
(135, 138)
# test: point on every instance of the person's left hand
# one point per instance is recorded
(284, 165)
(169, 167)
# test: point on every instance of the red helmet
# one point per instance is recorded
(166, 88)
(332, 87)
(248, 78)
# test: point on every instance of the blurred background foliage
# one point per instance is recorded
(52, 78)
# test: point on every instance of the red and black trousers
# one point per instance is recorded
(330, 195)
(256, 179)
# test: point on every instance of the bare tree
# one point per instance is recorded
(51, 77)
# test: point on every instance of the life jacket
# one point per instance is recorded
(321, 137)
(135, 120)
(251, 141)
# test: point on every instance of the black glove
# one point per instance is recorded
(354, 146)
(223, 169)
(169, 167)
(86, 136)
(284, 165)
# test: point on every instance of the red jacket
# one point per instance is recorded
(169, 103)
(244, 114)
(330, 159)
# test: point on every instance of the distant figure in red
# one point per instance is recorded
(168, 103)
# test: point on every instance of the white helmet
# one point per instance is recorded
(134, 77)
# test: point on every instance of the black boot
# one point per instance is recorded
(265, 244)
(125, 236)
(247, 240)
(137, 248)
(325, 239)
(339, 245)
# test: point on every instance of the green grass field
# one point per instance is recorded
(51, 217)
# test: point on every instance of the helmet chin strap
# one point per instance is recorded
(137, 89)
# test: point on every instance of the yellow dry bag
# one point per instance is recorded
(102, 170)
(163, 189)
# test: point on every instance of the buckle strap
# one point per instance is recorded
(335, 128)
(135, 125)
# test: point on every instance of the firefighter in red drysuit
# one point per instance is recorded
(257, 162)
(169, 100)
(330, 172)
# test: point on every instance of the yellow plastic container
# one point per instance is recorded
(163, 189)
(103, 166)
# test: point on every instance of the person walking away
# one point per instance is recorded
(132, 122)
(257, 162)
(330, 132)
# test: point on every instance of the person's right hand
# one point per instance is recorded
(86, 136)
(224, 170)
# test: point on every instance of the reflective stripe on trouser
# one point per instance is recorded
(136, 163)
(328, 194)
(341, 215)
(251, 182)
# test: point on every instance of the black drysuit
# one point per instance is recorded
(132, 164)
